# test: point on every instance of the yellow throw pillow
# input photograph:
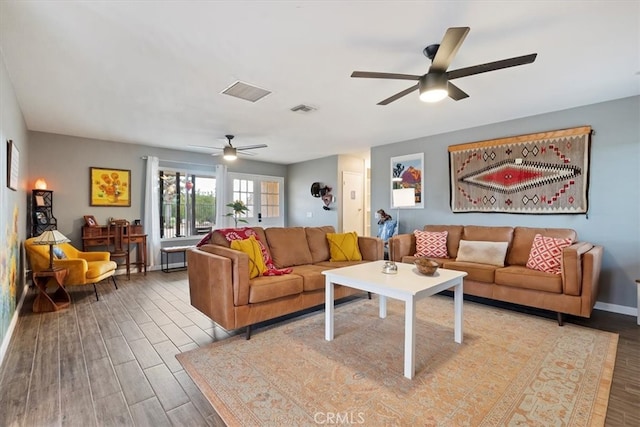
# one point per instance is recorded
(344, 246)
(252, 248)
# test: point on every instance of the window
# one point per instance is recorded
(188, 203)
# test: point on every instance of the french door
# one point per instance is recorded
(263, 195)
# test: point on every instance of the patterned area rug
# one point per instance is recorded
(512, 369)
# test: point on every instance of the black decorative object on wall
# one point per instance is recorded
(42, 218)
(323, 192)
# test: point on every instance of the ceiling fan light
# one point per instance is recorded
(229, 153)
(433, 87)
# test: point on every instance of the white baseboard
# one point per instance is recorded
(12, 325)
(615, 308)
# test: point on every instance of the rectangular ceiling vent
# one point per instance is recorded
(302, 108)
(246, 91)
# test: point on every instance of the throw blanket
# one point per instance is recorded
(244, 233)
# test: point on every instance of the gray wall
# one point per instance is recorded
(64, 161)
(614, 196)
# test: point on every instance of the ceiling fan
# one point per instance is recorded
(435, 85)
(229, 152)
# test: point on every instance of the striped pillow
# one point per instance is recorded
(431, 243)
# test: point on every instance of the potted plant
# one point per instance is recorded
(239, 209)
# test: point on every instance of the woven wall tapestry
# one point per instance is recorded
(543, 173)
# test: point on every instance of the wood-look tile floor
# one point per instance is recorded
(113, 362)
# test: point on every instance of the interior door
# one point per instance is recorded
(353, 202)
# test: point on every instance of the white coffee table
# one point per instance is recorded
(407, 285)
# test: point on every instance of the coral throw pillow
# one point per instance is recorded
(344, 246)
(546, 253)
(431, 243)
(252, 248)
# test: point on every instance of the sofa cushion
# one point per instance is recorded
(454, 234)
(267, 288)
(476, 272)
(312, 277)
(523, 239)
(318, 244)
(431, 243)
(517, 276)
(546, 254)
(492, 253)
(252, 248)
(344, 246)
(288, 246)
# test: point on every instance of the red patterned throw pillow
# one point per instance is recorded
(431, 243)
(546, 254)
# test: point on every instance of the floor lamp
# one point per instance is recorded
(403, 198)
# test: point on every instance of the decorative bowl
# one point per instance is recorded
(426, 266)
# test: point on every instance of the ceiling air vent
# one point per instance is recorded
(302, 108)
(246, 91)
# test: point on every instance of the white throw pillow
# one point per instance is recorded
(492, 253)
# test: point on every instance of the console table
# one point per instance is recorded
(96, 236)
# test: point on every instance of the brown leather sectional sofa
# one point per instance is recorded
(574, 291)
(220, 286)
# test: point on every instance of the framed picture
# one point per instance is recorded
(90, 220)
(408, 172)
(110, 187)
(39, 201)
(13, 165)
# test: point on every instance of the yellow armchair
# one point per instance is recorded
(83, 267)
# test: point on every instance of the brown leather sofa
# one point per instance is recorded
(219, 281)
(574, 291)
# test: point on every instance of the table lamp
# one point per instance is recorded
(51, 238)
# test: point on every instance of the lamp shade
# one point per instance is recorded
(51, 237)
(433, 87)
(229, 153)
(404, 197)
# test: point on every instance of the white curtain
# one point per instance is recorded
(221, 196)
(152, 211)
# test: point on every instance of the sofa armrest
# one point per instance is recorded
(371, 248)
(95, 256)
(239, 272)
(572, 267)
(210, 286)
(591, 267)
(401, 245)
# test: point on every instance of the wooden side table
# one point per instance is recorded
(55, 301)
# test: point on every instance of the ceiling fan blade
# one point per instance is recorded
(251, 147)
(492, 66)
(449, 46)
(455, 92)
(374, 75)
(247, 153)
(398, 95)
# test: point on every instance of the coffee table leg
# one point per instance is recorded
(383, 306)
(457, 307)
(409, 338)
(328, 310)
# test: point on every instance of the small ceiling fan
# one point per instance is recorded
(435, 85)
(229, 152)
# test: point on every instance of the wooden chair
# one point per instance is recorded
(118, 243)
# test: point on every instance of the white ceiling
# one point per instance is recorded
(152, 72)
